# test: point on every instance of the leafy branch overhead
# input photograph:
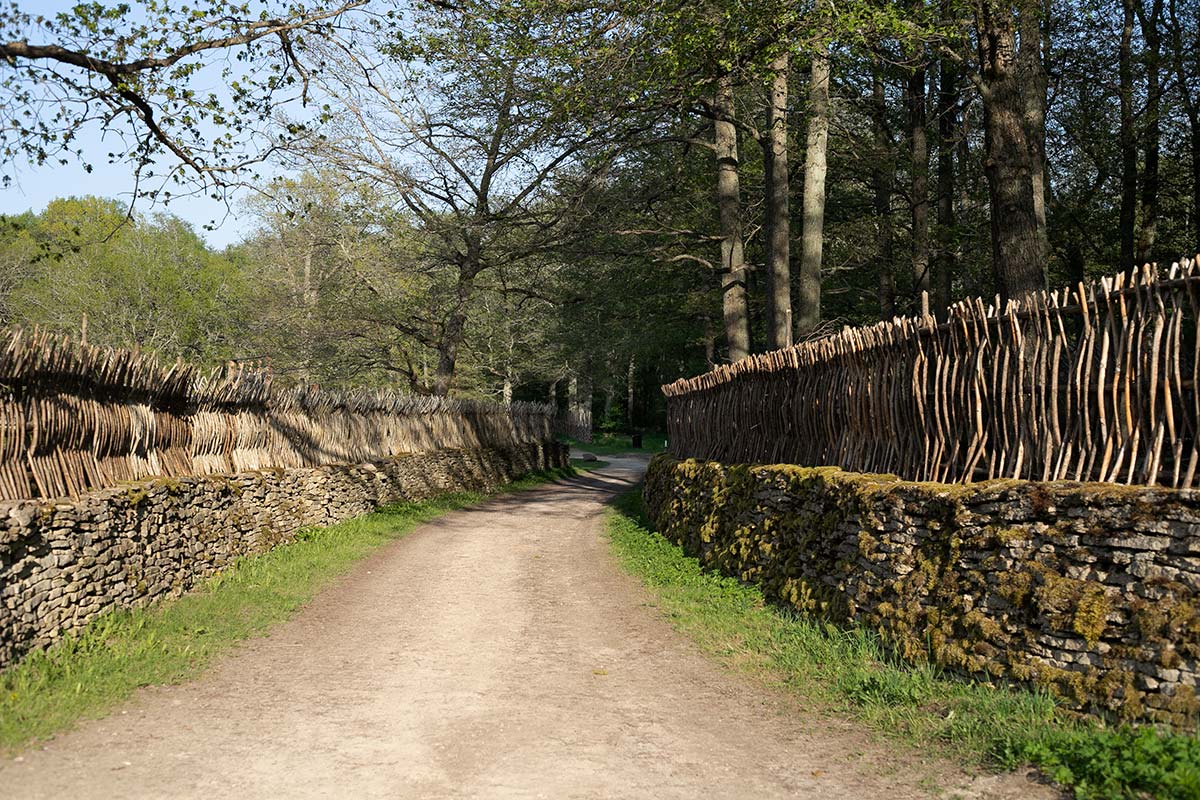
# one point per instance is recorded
(196, 84)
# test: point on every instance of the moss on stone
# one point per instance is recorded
(171, 485)
(1184, 703)
(1091, 613)
(137, 494)
(921, 564)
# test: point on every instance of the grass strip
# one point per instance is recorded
(87, 674)
(850, 671)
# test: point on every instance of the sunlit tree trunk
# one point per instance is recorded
(779, 282)
(1008, 162)
(881, 182)
(733, 260)
(815, 167)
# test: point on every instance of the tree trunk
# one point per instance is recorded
(1150, 34)
(1194, 122)
(510, 371)
(452, 335)
(308, 295)
(1190, 97)
(455, 325)
(778, 222)
(815, 165)
(733, 262)
(630, 377)
(1128, 140)
(946, 256)
(583, 399)
(882, 175)
(919, 153)
(1032, 70)
(1016, 246)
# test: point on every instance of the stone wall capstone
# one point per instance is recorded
(1088, 590)
(63, 562)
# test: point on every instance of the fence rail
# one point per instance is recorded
(75, 417)
(1097, 382)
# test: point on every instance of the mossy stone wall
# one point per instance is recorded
(1091, 591)
(64, 562)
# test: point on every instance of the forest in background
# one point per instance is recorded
(543, 198)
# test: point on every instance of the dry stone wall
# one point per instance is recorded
(1091, 591)
(63, 562)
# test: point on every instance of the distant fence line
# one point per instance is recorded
(1097, 382)
(75, 417)
(575, 423)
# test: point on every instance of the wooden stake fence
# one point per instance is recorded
(75, 418)
(575, 423)
(1092, 383)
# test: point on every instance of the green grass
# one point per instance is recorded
(86, 675)
(850, 671)
(611, 444)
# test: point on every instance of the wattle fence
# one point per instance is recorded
(75, 417)
(575, 423)
(1097, 382)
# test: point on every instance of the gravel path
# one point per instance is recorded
(497, 652)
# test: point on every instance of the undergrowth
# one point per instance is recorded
(849, 670)
(87, 674)
(613, 443)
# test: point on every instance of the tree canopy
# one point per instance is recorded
(567, 199)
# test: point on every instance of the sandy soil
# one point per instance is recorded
(497, 652)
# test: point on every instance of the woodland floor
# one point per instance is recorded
(495, 652)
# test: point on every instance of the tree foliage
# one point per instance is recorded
(152, 283)
(188, 92)
(506, 199)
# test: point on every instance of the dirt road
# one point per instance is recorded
(496, 652)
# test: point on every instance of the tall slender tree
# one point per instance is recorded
(778, 221)
(813, 213)
(1031, 66)
(1149, 21)
(945, 256)
(918, 142)
(735, 304)
(1128, 139)
(882, 177)
(1185, 61)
